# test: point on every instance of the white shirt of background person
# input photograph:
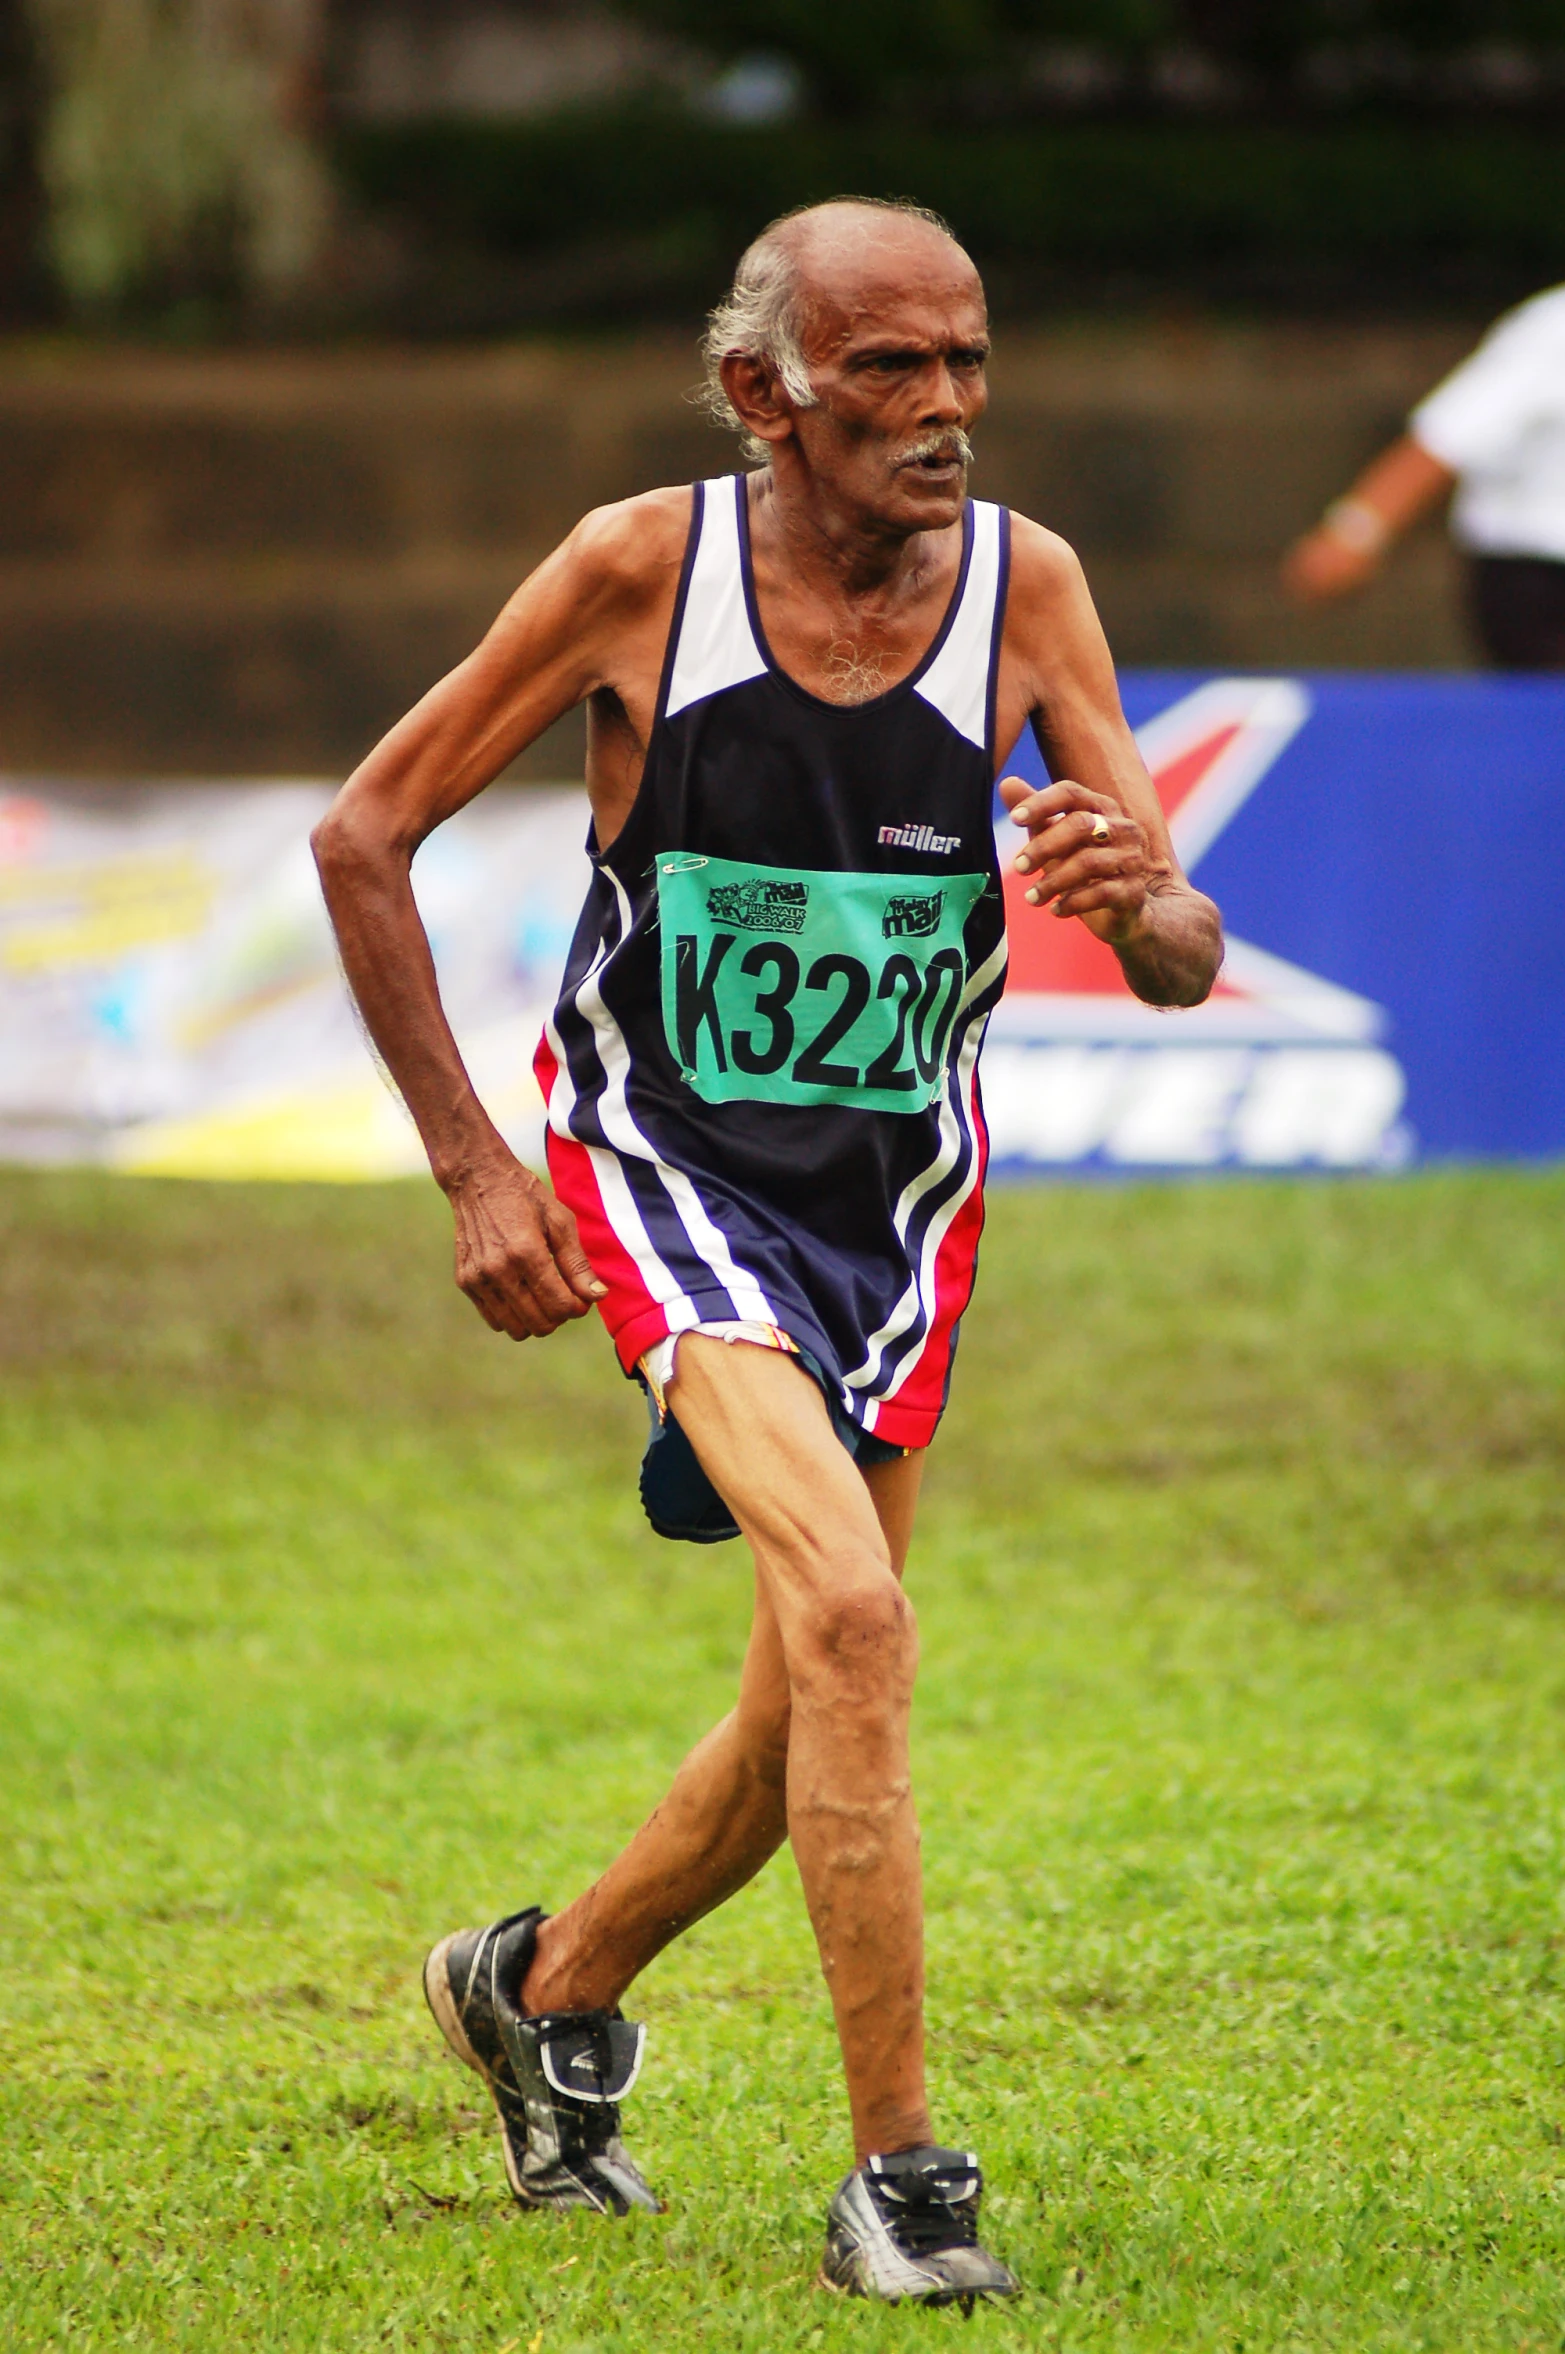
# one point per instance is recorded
(1494, 430)
(1498, 424)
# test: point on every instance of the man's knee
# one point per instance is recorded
(858, 1641)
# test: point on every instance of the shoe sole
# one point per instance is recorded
(966, 2298)
(442, 2009)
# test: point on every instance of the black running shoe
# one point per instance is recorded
(556, 2079)
(905, 2228)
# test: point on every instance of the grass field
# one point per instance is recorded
(327, 1621)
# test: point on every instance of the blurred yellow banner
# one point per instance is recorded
(170, 1001)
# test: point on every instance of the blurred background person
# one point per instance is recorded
(1494, 431)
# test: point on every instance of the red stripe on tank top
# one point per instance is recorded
(629, 1304)
(908, 1419)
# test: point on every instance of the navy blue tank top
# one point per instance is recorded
(761, 1073)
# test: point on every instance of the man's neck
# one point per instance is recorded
(832, 547)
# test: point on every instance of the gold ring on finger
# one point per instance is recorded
(1101, 829)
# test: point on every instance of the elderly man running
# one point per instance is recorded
(764, 1130)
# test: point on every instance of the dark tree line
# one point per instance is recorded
(879, 57)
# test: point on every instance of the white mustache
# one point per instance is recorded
(952, 443)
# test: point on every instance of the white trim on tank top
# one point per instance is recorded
(717, 647)
(957, 681)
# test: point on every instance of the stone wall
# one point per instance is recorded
(250, 564)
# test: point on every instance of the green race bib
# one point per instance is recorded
(784, 986)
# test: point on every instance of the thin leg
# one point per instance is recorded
(850, 1649)
(724, 1817)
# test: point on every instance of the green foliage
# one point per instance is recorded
(1285, 32)
(170, 153)
(328, 1620)
(1185, 201)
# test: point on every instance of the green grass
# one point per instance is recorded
(327, 1621)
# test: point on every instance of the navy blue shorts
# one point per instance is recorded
(679, 1499)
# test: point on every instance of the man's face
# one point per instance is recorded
(896, 340)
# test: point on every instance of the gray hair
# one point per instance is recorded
(762, 315)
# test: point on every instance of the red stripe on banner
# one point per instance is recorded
(1178, 778)
(1052, 958)
(1055, 957)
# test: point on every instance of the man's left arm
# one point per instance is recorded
(1097, 845)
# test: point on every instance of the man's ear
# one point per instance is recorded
(757, 397)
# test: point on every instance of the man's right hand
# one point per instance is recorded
(518, 1255)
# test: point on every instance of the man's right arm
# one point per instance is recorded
(518, 1256)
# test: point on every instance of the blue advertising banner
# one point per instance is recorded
(1388, 855)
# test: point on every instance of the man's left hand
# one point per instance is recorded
(1084, 852)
